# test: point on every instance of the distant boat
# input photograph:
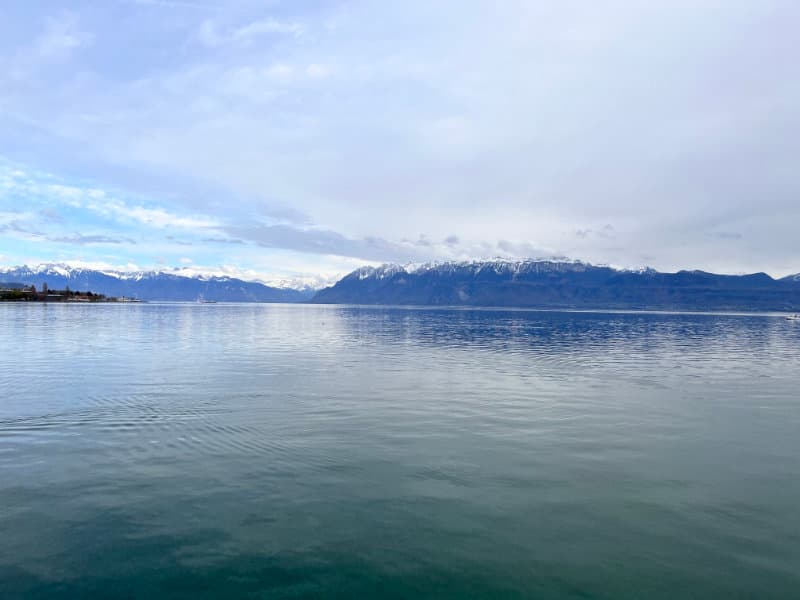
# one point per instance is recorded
(201, 300)
(793, 317)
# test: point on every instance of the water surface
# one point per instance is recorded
(278, 451)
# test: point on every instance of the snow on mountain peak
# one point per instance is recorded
(299, 283)
(498, 265)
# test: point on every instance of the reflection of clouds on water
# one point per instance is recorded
(289, 449)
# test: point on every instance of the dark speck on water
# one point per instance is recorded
(287, 451)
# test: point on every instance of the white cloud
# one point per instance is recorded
(266, 26)
(56, 44)
(318, 70)
(279, 70)
(154, 217)
(21, 186)
(60, 38)
(208, 34)
(211, 34)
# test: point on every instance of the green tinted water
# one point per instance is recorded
(191, 451)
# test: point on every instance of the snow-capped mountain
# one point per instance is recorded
(547, 283)
(151, 285)
(556, 283)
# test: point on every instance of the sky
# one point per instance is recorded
(297, 141)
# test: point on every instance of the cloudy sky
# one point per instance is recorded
(304, 139)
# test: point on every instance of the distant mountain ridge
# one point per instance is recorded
(559, 284)
(151, 285)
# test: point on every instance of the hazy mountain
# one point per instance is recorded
(560, 284)
(152, 285)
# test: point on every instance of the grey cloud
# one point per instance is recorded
(320, 241)
(223, 241)
(50, 214)
(521, 249)
(16, 227)
(289, 215)
(174, 240)
(79, 239)
(423, 241)
(606, 232)
(82, 240)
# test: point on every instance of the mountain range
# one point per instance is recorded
(549, 284)
(152, 285)
(560, 284)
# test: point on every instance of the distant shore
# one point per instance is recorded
(23, 293)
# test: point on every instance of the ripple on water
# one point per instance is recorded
(436, 452)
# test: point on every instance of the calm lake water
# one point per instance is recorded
(276, 451)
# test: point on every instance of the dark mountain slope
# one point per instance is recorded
(560, 284)
(153, 285)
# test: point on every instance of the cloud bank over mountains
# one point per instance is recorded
(295, 139)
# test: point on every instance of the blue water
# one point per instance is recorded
(276, 451)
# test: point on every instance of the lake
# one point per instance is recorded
(289, 451)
